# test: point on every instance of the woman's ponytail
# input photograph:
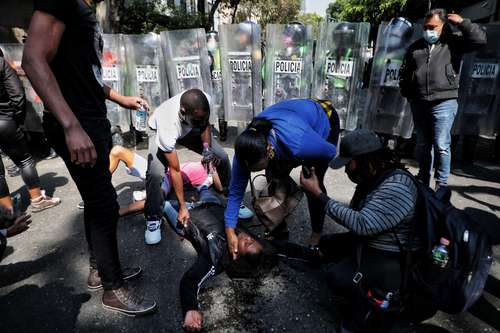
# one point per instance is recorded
(251, 145)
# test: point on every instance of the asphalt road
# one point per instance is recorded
(43, 276)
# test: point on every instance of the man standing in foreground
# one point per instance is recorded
(62, 61)
(429, 79)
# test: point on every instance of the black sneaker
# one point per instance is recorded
(128, 302)
(94, 280)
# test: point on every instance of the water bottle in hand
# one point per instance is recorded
(140, 120)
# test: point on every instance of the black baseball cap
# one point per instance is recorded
(356, 143)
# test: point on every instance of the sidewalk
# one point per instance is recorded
(43, 277)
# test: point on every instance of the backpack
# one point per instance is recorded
(457, 287)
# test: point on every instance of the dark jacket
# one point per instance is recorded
(206, 233)
(12, 97)
(433, 75)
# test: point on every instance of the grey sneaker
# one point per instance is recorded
(43, 202)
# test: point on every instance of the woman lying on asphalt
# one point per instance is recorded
(205, 231)
(193, 173)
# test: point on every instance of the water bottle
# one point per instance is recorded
(140, 119)
(206, 149)
(440, 253)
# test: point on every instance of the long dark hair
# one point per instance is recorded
(253, 265)
(251, 145)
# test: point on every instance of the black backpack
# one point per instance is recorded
(457, 287)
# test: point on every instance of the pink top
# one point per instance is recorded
(195, 173)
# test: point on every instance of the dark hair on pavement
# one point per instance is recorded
(253, 265)
(251, 145)
(194, 99)
(440, 12)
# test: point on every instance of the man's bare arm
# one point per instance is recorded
(44, 36)
(177, 184)
(127, 102)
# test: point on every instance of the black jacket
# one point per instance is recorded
(206, 233)
(433, 75)
(12, 97)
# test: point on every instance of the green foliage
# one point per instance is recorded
(372, 11)
(312, 19)
(146, 16)
(268, 11)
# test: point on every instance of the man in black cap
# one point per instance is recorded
(379, 216)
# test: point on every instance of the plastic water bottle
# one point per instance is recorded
(140, 120)
(440, 253)
(206, 149)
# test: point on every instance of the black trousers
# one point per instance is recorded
(94, 184)
(14, 144)
(380, 269)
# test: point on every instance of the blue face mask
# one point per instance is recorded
(431, 36)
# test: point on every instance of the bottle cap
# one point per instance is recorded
(444, 241)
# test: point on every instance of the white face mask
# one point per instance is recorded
(431, 36)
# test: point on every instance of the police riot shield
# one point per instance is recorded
(216, 76)
(288, 62)
(186, 56)
(146, 78)
(113, 75)
(386, 110)
(479, 97)
(341, 57)
(13, 53)
(241, 59)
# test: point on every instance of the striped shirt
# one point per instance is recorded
(386, 211)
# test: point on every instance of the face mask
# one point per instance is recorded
(431, 36)
(353, 175)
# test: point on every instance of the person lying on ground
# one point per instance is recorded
(205, 231)
(194, 174)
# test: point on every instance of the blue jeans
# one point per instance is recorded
(171, 207)
(171, 211)
(433, 122)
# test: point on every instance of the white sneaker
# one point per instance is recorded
(152, 235)
(139, 195)
(43, 202)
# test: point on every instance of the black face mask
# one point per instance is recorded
(354, 175)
